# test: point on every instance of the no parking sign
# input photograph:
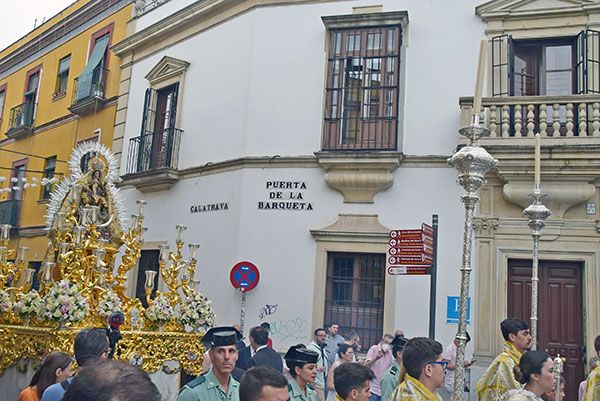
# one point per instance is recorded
(244, 276)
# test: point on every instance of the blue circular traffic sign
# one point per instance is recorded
(244, 276)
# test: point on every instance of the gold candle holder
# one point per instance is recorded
(193, 250)
(180, 229)
(149, 284)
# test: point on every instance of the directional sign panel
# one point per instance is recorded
(244, 276)
(411, 251)
(406, 270)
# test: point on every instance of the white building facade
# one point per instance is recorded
(296, 134)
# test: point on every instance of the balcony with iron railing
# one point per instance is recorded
(152, 160)
(89, 92)
(21, 120)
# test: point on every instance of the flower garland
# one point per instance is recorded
(109, 303)
(28, 305)
(160, 310)
(197, 312)
(5, 302)
(64, 303)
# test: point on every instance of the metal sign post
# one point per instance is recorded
(243, 311)
(414, 252)
(244, 276)
(433, 279)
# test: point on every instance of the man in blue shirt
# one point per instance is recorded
(91, 345)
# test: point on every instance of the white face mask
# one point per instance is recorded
(385, 347)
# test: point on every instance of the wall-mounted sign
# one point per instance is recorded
(285, 195)
(209, 207)
(453, 310)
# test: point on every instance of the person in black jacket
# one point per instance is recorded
(263, 355)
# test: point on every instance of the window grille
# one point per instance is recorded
(355, 293)
(361, 105)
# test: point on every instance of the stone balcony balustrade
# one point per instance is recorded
(570, 130)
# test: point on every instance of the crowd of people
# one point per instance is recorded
(395, 369)
(97, 378)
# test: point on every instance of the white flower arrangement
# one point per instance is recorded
(160, 310)
(64, 303)
(28, 305)
(197, 312)
(5, 302)
(109, 303)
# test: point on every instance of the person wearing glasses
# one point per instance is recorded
(536, 373)
(91, 345)
(425, 371)
(499, 377)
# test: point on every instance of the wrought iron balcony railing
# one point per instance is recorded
(154, 150)
(555, 117)
(9, 212)
(21, 117)
(90, 86)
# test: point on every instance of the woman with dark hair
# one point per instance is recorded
(302, 364)
(56, 368)
(345, 354)
(536, 372)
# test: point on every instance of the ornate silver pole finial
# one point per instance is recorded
(472, 163)
(537, 213)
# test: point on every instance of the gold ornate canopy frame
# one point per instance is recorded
(83, 278)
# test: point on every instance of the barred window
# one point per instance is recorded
(355, 293)
(361, 111)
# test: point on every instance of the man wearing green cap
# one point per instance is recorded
(217, 384)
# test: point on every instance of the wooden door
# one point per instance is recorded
(560, 311)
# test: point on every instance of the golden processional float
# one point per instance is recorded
(82, 280)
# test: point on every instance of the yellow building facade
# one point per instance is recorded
(59, 87)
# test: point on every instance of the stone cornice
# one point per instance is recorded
(365, 20)
(190, 20)
(354, 228)
(262, 162)
(509, 9)
(60, 32)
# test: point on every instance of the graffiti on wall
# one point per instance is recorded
(267, 310)
(295, 329)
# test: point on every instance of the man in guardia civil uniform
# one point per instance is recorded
(302, 364)
(592, 388)
(499, 378)
(390, 381)
(217, 384)
(425, 371)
